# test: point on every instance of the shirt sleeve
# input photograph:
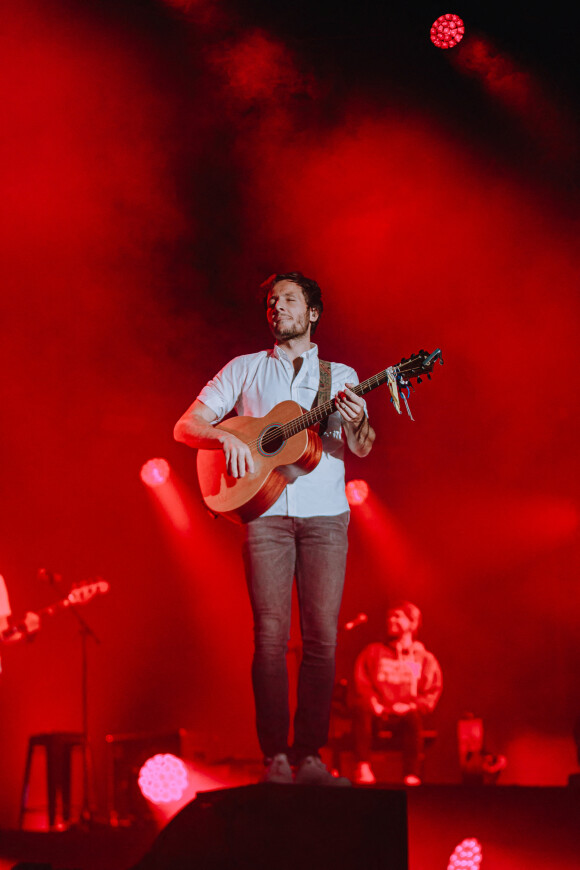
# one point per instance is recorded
(223, 391)
(365, 674)
(430, 685)
(4, 600)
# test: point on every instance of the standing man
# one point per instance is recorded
(396, 683)
(303, 534)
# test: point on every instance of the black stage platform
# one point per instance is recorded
(285, 826)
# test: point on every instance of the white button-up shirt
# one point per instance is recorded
(252, 384)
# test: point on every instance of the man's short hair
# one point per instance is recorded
(311, 290)
(411, 611)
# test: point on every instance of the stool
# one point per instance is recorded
(385, 741)
(58, 747)
(341, 740)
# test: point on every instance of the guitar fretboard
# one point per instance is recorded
(418, 364)
(321, 412)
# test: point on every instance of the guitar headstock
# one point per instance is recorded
(85, 591)
(418, 364)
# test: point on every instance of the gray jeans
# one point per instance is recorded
(275, 550)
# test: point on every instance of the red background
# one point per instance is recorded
(157, 163)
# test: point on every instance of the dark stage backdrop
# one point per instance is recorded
(158, 161)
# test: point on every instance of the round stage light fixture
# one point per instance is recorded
(357, 492)
(447, 31)
(467, 855)
(155, 472)
(163, 778)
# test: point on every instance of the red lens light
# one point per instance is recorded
(357, 491)
(467, 855)
(163, 778)
(447, 31)
(155, 472)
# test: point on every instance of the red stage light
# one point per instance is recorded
(357, 491)
(466, 856)
(155, 472)
(447, 31)
(163, 778)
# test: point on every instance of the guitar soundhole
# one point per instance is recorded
(271, 441)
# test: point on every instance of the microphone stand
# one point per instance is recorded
(86, 815)
(341, 681)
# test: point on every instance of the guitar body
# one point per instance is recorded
(277, 463)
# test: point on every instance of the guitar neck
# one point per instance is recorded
(78, 595)
(321, 412)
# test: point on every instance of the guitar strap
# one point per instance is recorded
(323, 394)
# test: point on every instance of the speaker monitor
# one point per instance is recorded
(278, 827)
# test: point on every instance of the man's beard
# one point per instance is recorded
(291, 330)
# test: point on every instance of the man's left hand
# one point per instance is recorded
(358, 431)
(32, 622)
(350, 406)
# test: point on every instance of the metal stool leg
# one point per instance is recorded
(25, 784)
(66, 781)
(53, 764)
(58, 748)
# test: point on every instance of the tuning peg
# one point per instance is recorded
(428, 377)
(419, 380)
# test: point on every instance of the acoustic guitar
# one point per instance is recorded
(284, 445)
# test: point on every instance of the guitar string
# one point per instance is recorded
(320, 412)
(314, 415)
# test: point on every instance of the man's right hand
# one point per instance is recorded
(195, 429)
(400, 708)
(378, 709)
(239, 458)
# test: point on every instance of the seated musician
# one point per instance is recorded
(396, 682)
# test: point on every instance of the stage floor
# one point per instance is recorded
(519, 828)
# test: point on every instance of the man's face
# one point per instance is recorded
(398, 623)
(288, 314)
